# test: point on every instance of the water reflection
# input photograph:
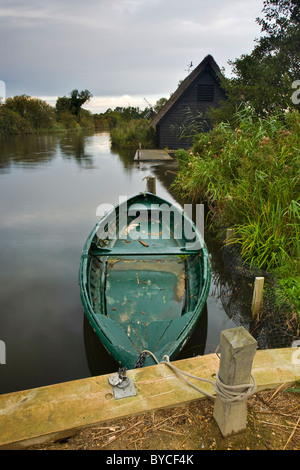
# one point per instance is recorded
(73, 146)
(50, 188)
(35, 150)
(26, 150)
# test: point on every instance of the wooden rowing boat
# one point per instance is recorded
(143, 283)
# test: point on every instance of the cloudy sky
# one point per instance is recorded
(122, 51)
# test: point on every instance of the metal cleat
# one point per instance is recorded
(123, 386)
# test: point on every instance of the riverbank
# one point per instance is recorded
(272, 425)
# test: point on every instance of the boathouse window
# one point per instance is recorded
(205, 92)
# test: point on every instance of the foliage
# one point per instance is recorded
(264, 78)
(130, 126)
(249, 175)
(67, 119)
(12, 123)
(86, 119)
(159, 104)
(112, 118)
(291, 287)
(67, 107)
(132, 133)
(131, 112)
(23, 114)
(192, 124)
(62, 106)
(77, 100)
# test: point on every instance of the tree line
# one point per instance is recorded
(24, 114)
(121, 115)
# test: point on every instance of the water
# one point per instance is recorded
(50, 188)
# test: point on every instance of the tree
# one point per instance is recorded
(264, 78)
(62, 105)
(12, 122)
(36, 112)
(73, 104)
(159, 104)
(77, 100)
(280, 15)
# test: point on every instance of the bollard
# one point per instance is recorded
(237, 351)
(151, 184)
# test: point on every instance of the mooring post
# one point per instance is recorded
(151, 184)
(257, 296)
(229, 235)
(237, 351)
(138, 152)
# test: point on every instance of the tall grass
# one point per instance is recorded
(250, 176)
(133, 132)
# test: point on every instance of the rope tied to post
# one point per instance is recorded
(228, 393)
(234, 393)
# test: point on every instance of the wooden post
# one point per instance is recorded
(151, 184)
(139, 151)
(237, 351)
(257, 296)
(229, 235)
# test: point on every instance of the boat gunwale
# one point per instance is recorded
(87, 257)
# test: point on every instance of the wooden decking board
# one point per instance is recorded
(43, 414)
(151, 154)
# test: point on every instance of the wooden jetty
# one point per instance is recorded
(48, 413)
(151, 154)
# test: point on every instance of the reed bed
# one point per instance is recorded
(249, 175)
(130, 134)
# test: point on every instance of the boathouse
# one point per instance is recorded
(199, 91)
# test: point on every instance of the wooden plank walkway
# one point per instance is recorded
(43, 414)
(152, 154)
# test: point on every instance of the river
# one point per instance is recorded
(50, 188)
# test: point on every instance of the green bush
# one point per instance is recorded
(12, 123)
(37, 113)
(131, 133)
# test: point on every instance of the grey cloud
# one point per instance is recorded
(115, 47)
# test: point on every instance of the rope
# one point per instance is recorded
(234, 393)
(228, 393)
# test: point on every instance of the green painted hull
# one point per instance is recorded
(143, 285)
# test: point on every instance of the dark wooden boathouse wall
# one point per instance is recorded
(198, 92)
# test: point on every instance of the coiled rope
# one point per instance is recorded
(228, 393)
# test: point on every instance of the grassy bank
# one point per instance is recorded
(249, 174)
